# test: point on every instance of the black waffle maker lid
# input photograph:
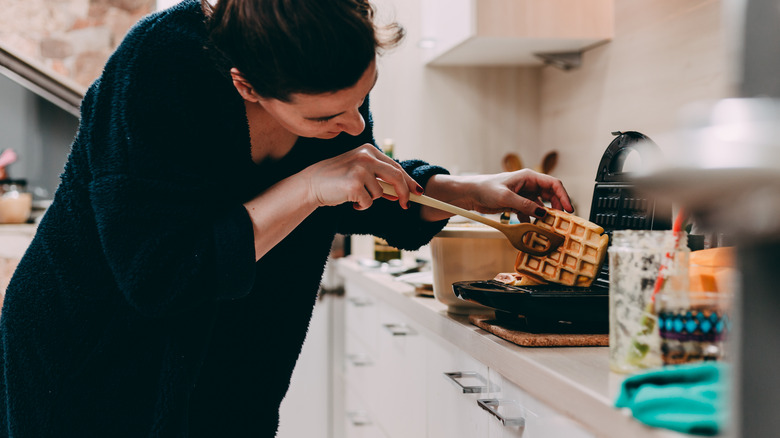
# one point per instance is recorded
(615, 206)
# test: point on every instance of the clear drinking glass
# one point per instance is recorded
(638, 259)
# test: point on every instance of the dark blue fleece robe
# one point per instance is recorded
(139, 310)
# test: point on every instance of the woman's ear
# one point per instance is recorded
(243, 87)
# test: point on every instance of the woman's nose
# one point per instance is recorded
(352, 123)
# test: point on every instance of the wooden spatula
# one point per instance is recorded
(514, 232)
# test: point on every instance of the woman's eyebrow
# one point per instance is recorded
(324, 117)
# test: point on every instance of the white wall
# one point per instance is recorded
(665, 54)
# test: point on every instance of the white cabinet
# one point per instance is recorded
(309, 396)
(510, 32)
(402, 367)
(361, 312)
(518, 414)
(384, 364)
(530, 392)
(359, 422)
(401, 380)
(454, 383)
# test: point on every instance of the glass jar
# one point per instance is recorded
(383, 252)
(642, 264)
(15, 201)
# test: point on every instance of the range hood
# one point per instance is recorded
(55, 88)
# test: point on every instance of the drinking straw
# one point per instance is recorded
(677, 232)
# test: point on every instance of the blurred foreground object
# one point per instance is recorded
(727, 176)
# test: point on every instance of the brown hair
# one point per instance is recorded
(297, 46)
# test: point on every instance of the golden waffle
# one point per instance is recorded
(576, 262)
(515, 279)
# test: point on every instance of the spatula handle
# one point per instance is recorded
(435, 203)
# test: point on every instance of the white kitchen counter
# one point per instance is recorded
(574, 381)
(14, 240)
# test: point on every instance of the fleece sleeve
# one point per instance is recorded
(171, 231)
(403, 229)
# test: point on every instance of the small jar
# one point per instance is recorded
(642, 265)
(15, 201)
(383, 252)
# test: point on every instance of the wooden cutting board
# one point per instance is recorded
(526, 339)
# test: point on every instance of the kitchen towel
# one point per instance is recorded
(690, 398)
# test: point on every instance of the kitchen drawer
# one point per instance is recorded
(358, 419)
(525, 416)
(454, 382)
(361, 313)
(401, 385)
(361, 370)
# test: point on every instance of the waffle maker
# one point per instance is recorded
(554, 308)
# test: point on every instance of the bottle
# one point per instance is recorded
(388, 147)
(383, 252)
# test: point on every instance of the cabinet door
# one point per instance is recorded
(517, 414)
(361, 313)
(361, 371)
(510, 32)
(309, 393)
(445, 24)
(401, 385)
(454, 382)
(359, 420)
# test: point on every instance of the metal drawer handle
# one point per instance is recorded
(360, 302)
(359, 360)
(399, 329)
(359, 418)
(476, 389)
(492, 405)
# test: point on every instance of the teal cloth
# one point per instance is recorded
(691, 398)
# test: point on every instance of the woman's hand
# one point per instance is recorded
(522, 192)
(349, 177)
(352, 177)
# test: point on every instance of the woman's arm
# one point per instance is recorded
(347, 178)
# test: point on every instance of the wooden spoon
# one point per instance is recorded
(548, 162)
(511, 162)
(514, 232)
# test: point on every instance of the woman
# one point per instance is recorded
(169, 287)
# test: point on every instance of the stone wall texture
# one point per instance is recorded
(73, 38)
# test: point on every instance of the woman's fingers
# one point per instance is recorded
(353, 177)
(523, 191)
(391, 172)
(535, 185)
(527, 207)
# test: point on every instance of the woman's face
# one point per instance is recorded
(324, 115)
